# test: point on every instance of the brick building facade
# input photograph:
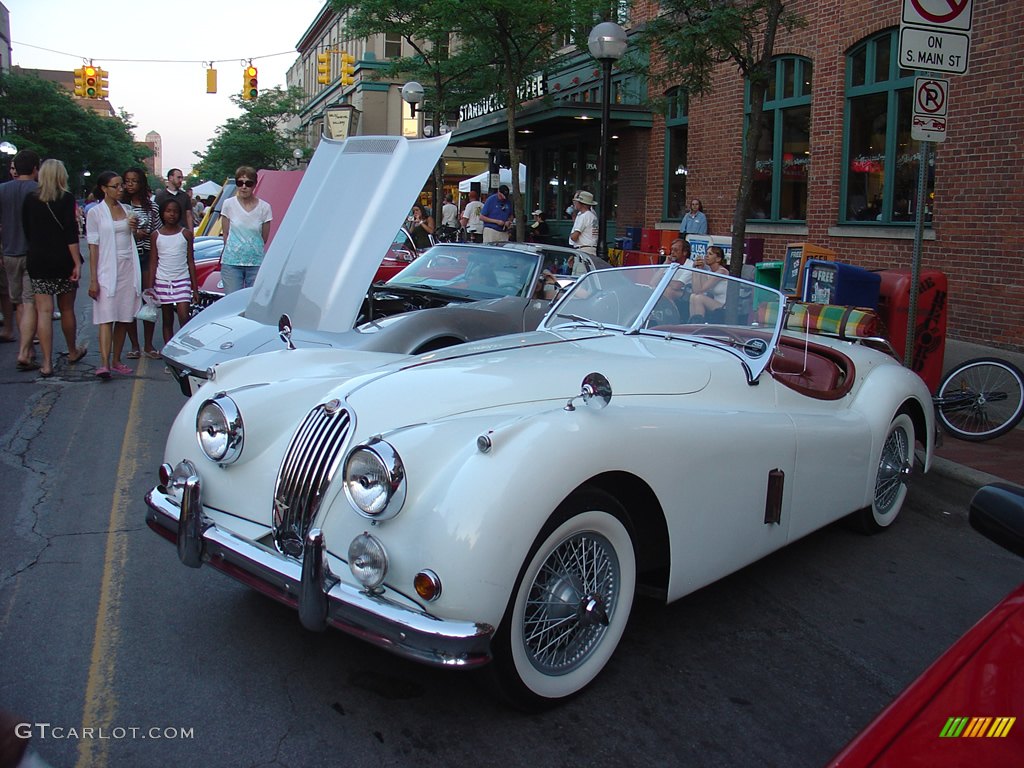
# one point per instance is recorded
(835, 188)
(975, 235)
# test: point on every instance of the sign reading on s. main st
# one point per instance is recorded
(935, 35)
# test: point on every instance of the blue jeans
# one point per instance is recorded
(237, 278)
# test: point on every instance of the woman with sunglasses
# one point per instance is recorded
(246, 226)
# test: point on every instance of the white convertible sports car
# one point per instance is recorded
(502, 501)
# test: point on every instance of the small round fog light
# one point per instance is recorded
(367, 560)
(427, 584)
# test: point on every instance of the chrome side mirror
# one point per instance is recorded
(284, 330)
(595, 392)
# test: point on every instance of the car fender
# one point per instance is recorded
(884, 391)
(472, 515)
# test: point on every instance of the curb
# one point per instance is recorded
(969, 476)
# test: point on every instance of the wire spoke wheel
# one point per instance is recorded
(981, 399)
(895, 463)
(569, 606)
(893, 469)
(567, 609)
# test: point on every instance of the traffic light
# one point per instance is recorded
(348, 63)
(250, 85)
(92, 82)
(101, 83)
(80, 82)
(323, 68)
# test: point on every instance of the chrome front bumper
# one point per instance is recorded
(309, 586)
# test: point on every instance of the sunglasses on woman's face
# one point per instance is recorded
(245, 182)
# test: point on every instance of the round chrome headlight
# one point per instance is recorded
(219, 429)
(375, 480)
(367, 560)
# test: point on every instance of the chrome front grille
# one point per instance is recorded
(309, 465)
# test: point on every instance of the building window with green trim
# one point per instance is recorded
(880, 159)
(677, 131)
(783, 157)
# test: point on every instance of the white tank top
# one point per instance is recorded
(172, 254)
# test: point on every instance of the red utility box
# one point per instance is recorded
(667, 236)
(650, 241)
(930, 336)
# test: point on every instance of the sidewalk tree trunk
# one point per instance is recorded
(695, 36)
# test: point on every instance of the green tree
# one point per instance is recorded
(40, 115)
(449, 74)
(695, 36)
(496, 47)
(257, 137)
(515, 39)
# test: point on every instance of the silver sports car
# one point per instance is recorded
(451, 294)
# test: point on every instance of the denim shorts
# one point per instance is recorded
(236, 278)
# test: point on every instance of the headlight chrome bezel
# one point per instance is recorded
(393, 486)
(230, 427)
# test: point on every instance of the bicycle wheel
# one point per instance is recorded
(981, 399)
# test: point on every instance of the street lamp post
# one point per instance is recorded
(607, 44)
(412, 94)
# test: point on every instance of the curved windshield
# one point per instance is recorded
(472, 272)
(677, 302)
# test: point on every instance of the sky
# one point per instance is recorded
(135, 41)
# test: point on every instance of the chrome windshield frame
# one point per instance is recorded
(754, 357)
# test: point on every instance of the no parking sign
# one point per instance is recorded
(930, 101)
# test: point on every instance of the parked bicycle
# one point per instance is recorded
(980, 399)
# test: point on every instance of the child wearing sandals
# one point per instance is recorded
(172, 267)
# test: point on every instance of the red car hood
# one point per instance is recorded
(979, 679)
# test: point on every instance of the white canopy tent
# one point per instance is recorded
(504, 175)
(206, 189)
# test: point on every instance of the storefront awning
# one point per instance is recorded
(542, 119)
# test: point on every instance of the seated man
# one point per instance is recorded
(667, 311)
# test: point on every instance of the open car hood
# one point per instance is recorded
(352, 199)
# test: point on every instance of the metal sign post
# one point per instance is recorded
(915, 263)
(935, 35)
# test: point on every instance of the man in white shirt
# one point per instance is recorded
(583, 236)
(471, 218)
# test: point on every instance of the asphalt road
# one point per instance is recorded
(101, 627)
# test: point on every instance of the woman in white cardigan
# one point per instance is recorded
(115, 282)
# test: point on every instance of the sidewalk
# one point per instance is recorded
(977, 464)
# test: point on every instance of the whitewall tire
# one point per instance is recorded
(891, 475)
(570, 605)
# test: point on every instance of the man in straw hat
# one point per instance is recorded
(583, 236)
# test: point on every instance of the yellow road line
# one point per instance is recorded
(100, 707)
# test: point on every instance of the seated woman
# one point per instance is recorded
(709, 291)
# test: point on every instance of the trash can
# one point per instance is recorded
(768, 273)
(932, 307)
